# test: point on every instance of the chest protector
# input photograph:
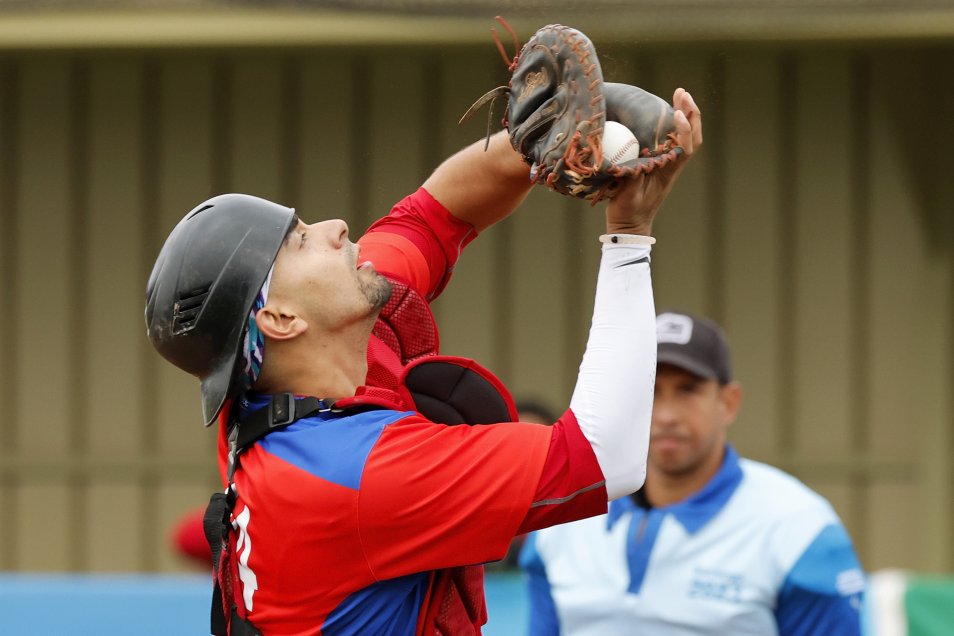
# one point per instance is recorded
(405, 372)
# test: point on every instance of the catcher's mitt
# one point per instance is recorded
(557, 105)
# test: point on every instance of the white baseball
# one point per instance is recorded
(619, 143)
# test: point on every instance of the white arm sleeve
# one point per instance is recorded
(613, 398)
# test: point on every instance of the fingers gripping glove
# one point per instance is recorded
(557, 106)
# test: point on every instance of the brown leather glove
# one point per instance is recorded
(557, 106)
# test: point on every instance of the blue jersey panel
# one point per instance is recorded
(388, 608)
(822, 592)
(543, 616)
(334, 449)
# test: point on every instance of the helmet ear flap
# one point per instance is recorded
(202, 287)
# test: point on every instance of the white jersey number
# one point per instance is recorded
(244, 547)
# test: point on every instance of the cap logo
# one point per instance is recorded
(673, 328)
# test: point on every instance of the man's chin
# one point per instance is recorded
(668, 463)
(378, 292)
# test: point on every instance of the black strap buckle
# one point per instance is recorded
(282, 410)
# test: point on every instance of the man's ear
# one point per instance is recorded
(731, 395)
(279, 325)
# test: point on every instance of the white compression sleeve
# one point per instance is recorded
(613, 398)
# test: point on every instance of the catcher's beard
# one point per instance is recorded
(378, 292)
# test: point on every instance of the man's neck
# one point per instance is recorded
(664, 489)
(330, 367)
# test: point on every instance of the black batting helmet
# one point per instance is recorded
(204, 283)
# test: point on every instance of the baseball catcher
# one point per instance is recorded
(351, 502)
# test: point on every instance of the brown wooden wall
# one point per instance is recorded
(815, 225)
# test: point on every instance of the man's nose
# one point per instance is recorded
(664, 414)
(342, 230)
(336, 230)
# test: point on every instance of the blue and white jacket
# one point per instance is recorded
(755, 552)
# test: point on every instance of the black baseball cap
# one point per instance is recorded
(693, 344)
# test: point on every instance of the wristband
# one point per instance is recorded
(627, 239)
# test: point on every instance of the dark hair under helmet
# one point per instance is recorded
(203, 284)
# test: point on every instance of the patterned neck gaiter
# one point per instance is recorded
(254, 346)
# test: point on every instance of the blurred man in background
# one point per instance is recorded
(713, 543)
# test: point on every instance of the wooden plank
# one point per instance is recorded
(327, 118)
(9, 179)
(43, 526)
(113, 289)
(43, 294)
(751, 251)
(682, 255)
(939, 474)
(823, 238)
(892, 527)
(256, 129)
(902, 294)
(936, 554)
(114, 541)
(581, 263)
(911, 325)
(538, 325)
(8, 531)
(10, 103)
(395, 131)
